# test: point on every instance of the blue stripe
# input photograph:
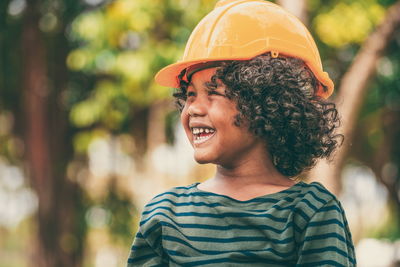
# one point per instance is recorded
(335, 235)
(330, 208)
(317, 198)
(217, 204)
(228, 260)
(151, 229)
(302, 214)
(139, 235)
(320, 263)
(136, 248)
(253, 255)
(261, 199)
(212, 215)
(321, 189)
(287, 260)
(233, 227)
(233, 239)
(186, 187)
(309, 204)
(201, 194)
(324, 236)
(312, 194)
(325, 249)
(329, 235)
(244, 252)
(182, 204)
(326, 222)
(291, 207)
(290, 199)
(142, 258)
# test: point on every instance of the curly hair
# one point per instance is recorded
(276, 96)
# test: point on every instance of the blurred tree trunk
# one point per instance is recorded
(39, 165)
(351, 95)
(386, 159)
(139, 129)
(57, 242)
(156, 127)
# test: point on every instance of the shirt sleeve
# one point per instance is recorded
(326, 240)
(146, 250)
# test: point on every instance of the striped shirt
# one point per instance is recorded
(304, 225)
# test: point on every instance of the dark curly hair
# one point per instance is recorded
(276, 96)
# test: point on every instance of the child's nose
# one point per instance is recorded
(197, 107)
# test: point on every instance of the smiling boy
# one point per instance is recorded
(240, 156)
(252, 97)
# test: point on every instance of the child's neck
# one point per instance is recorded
(247, 180)
(246, 176)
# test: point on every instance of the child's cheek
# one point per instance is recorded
(185, 121)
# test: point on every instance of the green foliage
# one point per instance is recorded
(383, 98)
(348, 22)
(390, 230)
(83, 139)
(116, 212)
(123, 223)
(122, 45)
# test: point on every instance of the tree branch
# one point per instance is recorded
(351, 95)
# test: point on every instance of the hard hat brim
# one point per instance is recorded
(169, 75)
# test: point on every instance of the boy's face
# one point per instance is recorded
(208, 119)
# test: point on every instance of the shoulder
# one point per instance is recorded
(172, 199)
(165, 205)
(316, 194)
(324, 233)
(172, 195)
(314, 198)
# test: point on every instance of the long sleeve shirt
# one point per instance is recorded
(304, 225)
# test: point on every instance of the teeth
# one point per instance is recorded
(201, 137)
(198, 130)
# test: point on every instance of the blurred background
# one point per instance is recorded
(87, 137)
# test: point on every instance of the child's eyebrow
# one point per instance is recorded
(209, 85)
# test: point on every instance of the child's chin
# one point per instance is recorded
(203, 159)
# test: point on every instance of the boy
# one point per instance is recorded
(251, 92)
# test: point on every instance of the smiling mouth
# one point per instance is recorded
(202, 134)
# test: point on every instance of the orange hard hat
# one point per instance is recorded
(243, 29)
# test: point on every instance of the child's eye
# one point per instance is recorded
(213, 92)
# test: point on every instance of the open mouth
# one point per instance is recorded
(202, 134)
